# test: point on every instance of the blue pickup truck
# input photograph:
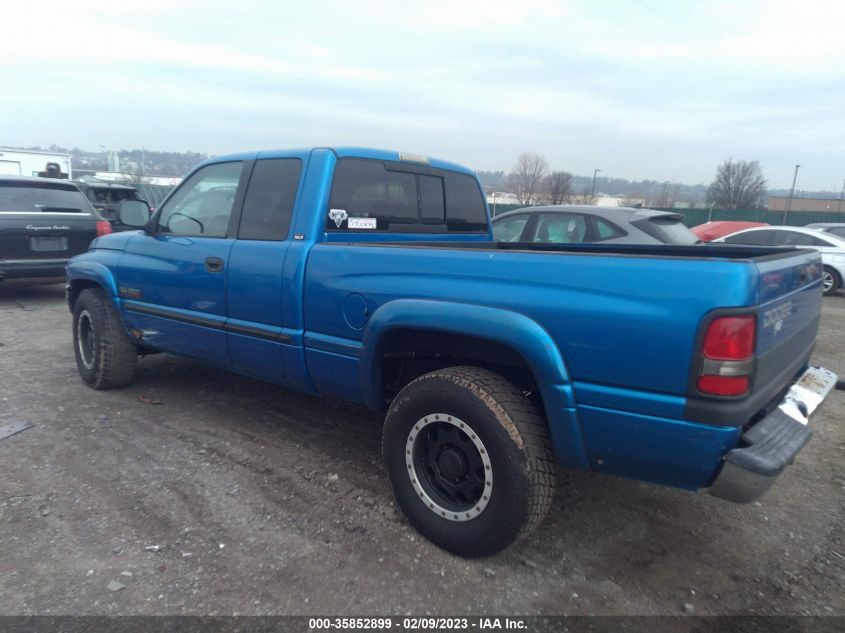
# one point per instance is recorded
(372, 276)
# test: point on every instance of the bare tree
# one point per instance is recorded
(738, 185)
(529, 171)
(559, 186)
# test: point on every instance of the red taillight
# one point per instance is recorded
(728, 355)
(103, 227)
(724, 385)
(730, 338)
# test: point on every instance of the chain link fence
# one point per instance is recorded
(154, 194)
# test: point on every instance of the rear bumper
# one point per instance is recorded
(32, 268)
(769, 446)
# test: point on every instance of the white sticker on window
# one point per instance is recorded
(338, 215)
(362, 223)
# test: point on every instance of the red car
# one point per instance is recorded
(710, 231)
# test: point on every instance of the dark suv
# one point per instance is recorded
(105, 196)
(43, 223)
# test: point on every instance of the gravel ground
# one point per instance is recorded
(196, 491)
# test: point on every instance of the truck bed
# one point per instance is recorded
(696, 251)
(625, 317)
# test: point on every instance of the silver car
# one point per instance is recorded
(581, 224)
(832, 248)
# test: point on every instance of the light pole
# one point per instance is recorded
(664, 200)
(593, 192)
(841, 195)
(791, 194)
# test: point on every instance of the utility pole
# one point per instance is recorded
(791, 194)
(664, 200)
(841, 195)
(593, 192)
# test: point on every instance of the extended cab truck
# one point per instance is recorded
(371, 276)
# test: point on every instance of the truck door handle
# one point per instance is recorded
(213, 264)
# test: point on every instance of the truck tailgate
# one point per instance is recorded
(788, 310)
(787, 317)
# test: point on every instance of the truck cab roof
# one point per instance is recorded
(346, 152)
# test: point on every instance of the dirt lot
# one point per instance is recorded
(200, 492)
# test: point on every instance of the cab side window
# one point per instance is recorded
(202, 206)
(269, 200)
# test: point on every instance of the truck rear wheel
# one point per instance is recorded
(105, 355)
(470, 460)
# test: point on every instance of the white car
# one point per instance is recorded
(832, 248)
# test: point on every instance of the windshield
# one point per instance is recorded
(37, 196)
(104, 195)
(667, 229)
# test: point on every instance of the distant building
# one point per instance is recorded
(24, 162)
(778, 203)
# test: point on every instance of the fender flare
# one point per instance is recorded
(95, 272)
(521, 333)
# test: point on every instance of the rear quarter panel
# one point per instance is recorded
(623, 321)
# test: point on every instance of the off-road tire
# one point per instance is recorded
(514, 436)
(109, 356)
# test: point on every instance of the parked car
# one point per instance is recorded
(833, 228)
(43, 223)
(371, 276)
(106, 196)
(581, 224)
(832, 248)
(710, 231)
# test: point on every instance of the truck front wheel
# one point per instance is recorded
(470, 460)
(105, 355)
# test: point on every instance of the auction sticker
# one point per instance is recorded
(361, 223)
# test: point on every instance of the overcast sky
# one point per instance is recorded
(660, 90)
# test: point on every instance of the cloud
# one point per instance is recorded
(646, 89)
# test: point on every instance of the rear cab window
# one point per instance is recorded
(385, 196)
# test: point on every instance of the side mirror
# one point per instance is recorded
(134, 213)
